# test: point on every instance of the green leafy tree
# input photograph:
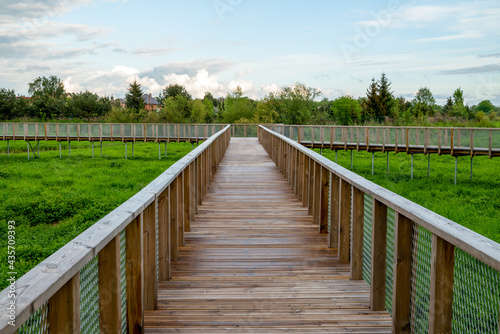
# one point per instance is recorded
(87, 105)
(345, 110)
(48, 97)
(486, 107)
(174, 110)
(199, 111)
(174, 90)
(424, 102)
(134, 100)
(209, 96)
(458, 103)
(448, 107)
(8, 104)
(236, 106)
(295, 104)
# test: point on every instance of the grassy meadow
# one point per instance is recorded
(52, 199)
(474, 204)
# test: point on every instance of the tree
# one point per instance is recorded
(199, 111)
(458, 103)
(48, 97)
(295, 103)
(424, 102)
(174, 90)
(346, 110)
(134, 100)
(372, 102)
(236, 106)
(209, 96)
(448, 107)
(385, 98)
(485, 106)
(8, 104)
(88, 105)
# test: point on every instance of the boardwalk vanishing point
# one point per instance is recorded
(254, 262)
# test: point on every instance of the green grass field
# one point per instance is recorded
(474, 204)
(52, 199)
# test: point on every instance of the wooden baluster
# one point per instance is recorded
(324, 189)
(317, 194)
(110, 312)
(300, 178)
(333, 236)
(310, 208)
(358, 215)
(149, 256)
(164, 235)
(64, 308)
(379, 242)
(134, 254)
(345, 221)
(199, 179)
(441, 291)
(192, 190)
(180, 208)
(401, 289)
(174, 240)
(187, 202)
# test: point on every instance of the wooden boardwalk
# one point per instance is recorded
(254, 262)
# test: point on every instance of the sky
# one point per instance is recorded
(216, 45)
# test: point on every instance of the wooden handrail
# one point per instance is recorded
(55, 277)
(446, 234)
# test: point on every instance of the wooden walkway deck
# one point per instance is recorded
(255, 263)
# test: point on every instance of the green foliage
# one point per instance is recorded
(346, 110)
(53, 200)
(424, 102)
(385, 98)
(176, 109)
(134, 97)
(48, 97)
(295, 103)
(174, 90)
(87, 105)
(486, 107)
(237, 106)
(199, 111)
(8, 104)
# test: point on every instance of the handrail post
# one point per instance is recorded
(174, 241)
(441, 290)
(134, 253)
(110, 312)
(64, 308)
(164, 235)
(379, 243)
(401, 289)
(333, 236)
(317, 194)
(345, 221)
(149, 256)
(358, 212)
(310, 207)
(180, 208)
(187, 197)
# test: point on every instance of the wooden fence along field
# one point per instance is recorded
(418, 272)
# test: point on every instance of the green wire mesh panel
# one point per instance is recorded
(476, 296)
(367, 240)
(89, 297)
(123, 281)
(389, 266)
(38, 323)
(420, 279)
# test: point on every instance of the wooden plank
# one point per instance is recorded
(333, 236)
(324, 201)
(64, 308)
(110, 312)
(180, 209)
(174, 214)
(401, 289)
(164, 235)
(187, 203)
(149, 256)
(358, 215)
(379, 243)
(344, 221)
(441, 289)
(317, 194)
(310, 208)
(135, 278)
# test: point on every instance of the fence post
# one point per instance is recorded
(317, 194)
(164, 235)
(441, 291)
(64, 308)
(174, 202)
(149, 259)
(345, 221)
(110, 312)
(358, 213)
(134, 254)
(325, 188)
(187, 197)
(310, 208)
(379, 242)
(180, 208)
(401, 289)
(335, 212)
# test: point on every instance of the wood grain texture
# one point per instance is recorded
(334, 212)
(379, 244)
(254, 263)
(64, 308)
(110, 288)
(325, 191)
(135, 278)
(358, 215)
(149, 256)
(344, 221)
(441, 290)
(164, 235)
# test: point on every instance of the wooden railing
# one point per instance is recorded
(161, 211)
(426, 140)
(331, 191)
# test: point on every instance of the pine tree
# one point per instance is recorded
(385, 98)
(372, 103)
(134, 100)
(448, 107)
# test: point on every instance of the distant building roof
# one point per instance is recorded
(148, 99)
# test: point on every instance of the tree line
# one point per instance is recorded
(292, 104)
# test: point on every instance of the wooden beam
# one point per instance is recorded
(64, 308)
(164, 235)
(379, 244)
(110, 312)
(345, 221)
(333, 236)
(187, 202)
(135, 278)
(180, 209)
(149, 256)
(325, 190)
(317, 193)
(358, 215)
(401, 288)
(441, 291)
(310, 208)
